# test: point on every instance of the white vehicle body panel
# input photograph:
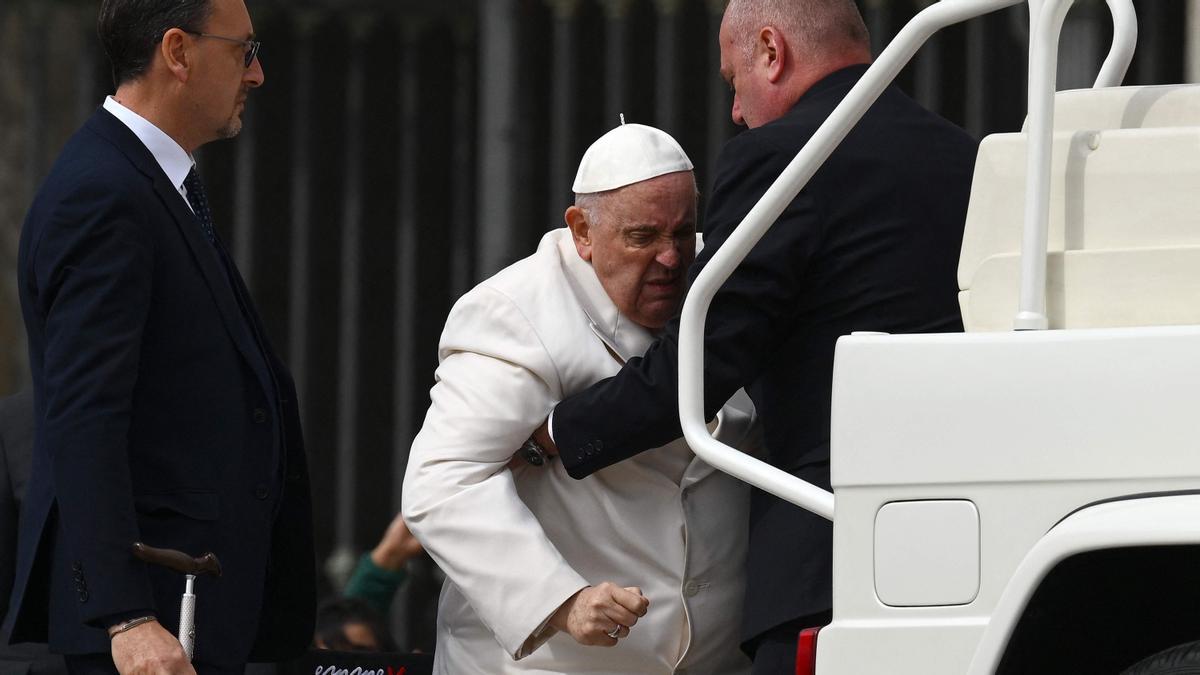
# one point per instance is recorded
(1028, 427)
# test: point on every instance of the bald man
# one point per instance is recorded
(870, 244)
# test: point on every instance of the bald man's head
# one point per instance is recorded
(772, 51)
(816, 28)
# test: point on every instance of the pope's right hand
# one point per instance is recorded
(149, 649)
(590, 615)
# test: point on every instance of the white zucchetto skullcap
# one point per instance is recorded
(629, 154)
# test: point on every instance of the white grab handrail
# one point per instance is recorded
(1120, 55)
(793, 179)
(1043, 81)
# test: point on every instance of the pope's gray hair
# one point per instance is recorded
(593, 204)
(814, 27)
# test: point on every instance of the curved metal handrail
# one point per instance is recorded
(775, 200)
(1120, 55)
(1043, 81)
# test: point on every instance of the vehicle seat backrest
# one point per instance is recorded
(1124, 230)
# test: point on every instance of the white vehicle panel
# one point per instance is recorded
(1012, 520)
(1016, 407)
(898, 647)
(1042, 424)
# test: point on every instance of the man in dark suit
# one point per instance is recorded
(162, 412)
(16, 451)
(871, 243)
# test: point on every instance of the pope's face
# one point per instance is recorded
(641, 242)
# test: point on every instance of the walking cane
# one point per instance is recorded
(191, 567)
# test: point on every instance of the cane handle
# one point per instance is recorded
(178, 560)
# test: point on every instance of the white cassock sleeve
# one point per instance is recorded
(494, 385)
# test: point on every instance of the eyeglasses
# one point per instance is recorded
(251, 46)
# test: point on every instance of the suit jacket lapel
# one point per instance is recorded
(204, 254)
(219, 283)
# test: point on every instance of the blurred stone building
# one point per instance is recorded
(402, 150)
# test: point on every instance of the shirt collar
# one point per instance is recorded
(626, 338)
(173, 159)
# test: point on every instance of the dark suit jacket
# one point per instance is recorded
(16, 453)
(16, 450)
(162, 416)
(871, 243)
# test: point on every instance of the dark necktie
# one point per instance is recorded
(199, 201)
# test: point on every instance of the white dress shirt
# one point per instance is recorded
(174, 160)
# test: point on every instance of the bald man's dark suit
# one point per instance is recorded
(871, 243)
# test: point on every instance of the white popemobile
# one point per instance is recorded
(1018, 501)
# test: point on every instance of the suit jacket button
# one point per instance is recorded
(260, 492)
(260, 416)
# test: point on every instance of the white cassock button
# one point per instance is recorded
(690, 589)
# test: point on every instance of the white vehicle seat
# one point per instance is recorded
(1124, 231)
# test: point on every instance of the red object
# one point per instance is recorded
(806, 651)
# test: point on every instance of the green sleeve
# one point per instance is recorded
(374, 585)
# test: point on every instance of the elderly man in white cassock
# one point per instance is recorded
(637, 568)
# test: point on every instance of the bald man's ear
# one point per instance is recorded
(174, 50)
(581, 231)
(771, 52)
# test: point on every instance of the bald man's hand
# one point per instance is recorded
(541, 436)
